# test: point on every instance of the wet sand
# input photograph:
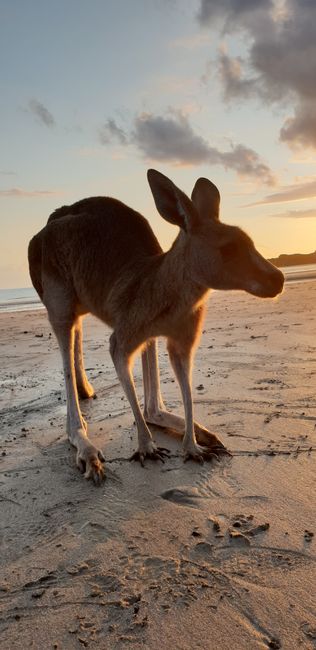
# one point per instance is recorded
(174, 555)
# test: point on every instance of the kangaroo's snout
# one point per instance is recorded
(278, 281)
(268, 284)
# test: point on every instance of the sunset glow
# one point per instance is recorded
(95, 93)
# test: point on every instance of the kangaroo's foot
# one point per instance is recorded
(89, 459)
(204, 437)
(209, 441)
(148, 449)
(193, 451)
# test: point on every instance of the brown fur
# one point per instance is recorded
(100, 256)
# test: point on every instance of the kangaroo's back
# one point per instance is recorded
(90, 245)
(35, 263)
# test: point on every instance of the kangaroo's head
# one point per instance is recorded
(220, 256)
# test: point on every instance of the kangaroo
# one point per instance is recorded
(101, 257)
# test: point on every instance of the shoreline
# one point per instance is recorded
(36, 304)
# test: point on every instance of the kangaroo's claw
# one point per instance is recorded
(200, 453)
(90, 462)
(155, 453)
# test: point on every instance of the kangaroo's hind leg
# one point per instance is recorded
(154, 408)
(85, 390)
(122, 360)
(61, 315)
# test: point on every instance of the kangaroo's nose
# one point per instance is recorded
(278, 280)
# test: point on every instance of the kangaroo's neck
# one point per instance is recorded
(157, 297)
(176, 273)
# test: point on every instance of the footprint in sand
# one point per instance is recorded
(182, 496)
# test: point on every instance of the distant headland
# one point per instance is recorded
(294, 260)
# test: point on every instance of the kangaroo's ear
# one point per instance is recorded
(173, 204)
(206, 199)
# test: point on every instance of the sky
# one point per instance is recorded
(93, 93)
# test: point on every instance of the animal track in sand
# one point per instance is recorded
(173, 581)
(87, 516)
(229, 547)
(207, 577)
(120, 600)
(105, 599)
(182, 496)
(260, 565)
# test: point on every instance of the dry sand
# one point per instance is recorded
(171, 556)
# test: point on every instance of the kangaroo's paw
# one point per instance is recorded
(90, 462)
(150, 450)
(217, 448)
(199, 454)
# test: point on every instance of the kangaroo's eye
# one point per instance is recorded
(229, 251)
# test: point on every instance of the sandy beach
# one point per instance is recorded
(177, 556)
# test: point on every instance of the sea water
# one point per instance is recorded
(26, 299)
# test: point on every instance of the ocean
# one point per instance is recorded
(299, 273)
(19, 300)
(26, 299)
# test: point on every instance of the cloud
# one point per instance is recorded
(247, 163)
(228, 11)
(172, 139)
(110, 132)
(18, 193)
(280, 63)
(4, 172)
(169, 139)
(296, 192)
(301, 129)
(296, 214)
(42, 113)
(231, 75)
